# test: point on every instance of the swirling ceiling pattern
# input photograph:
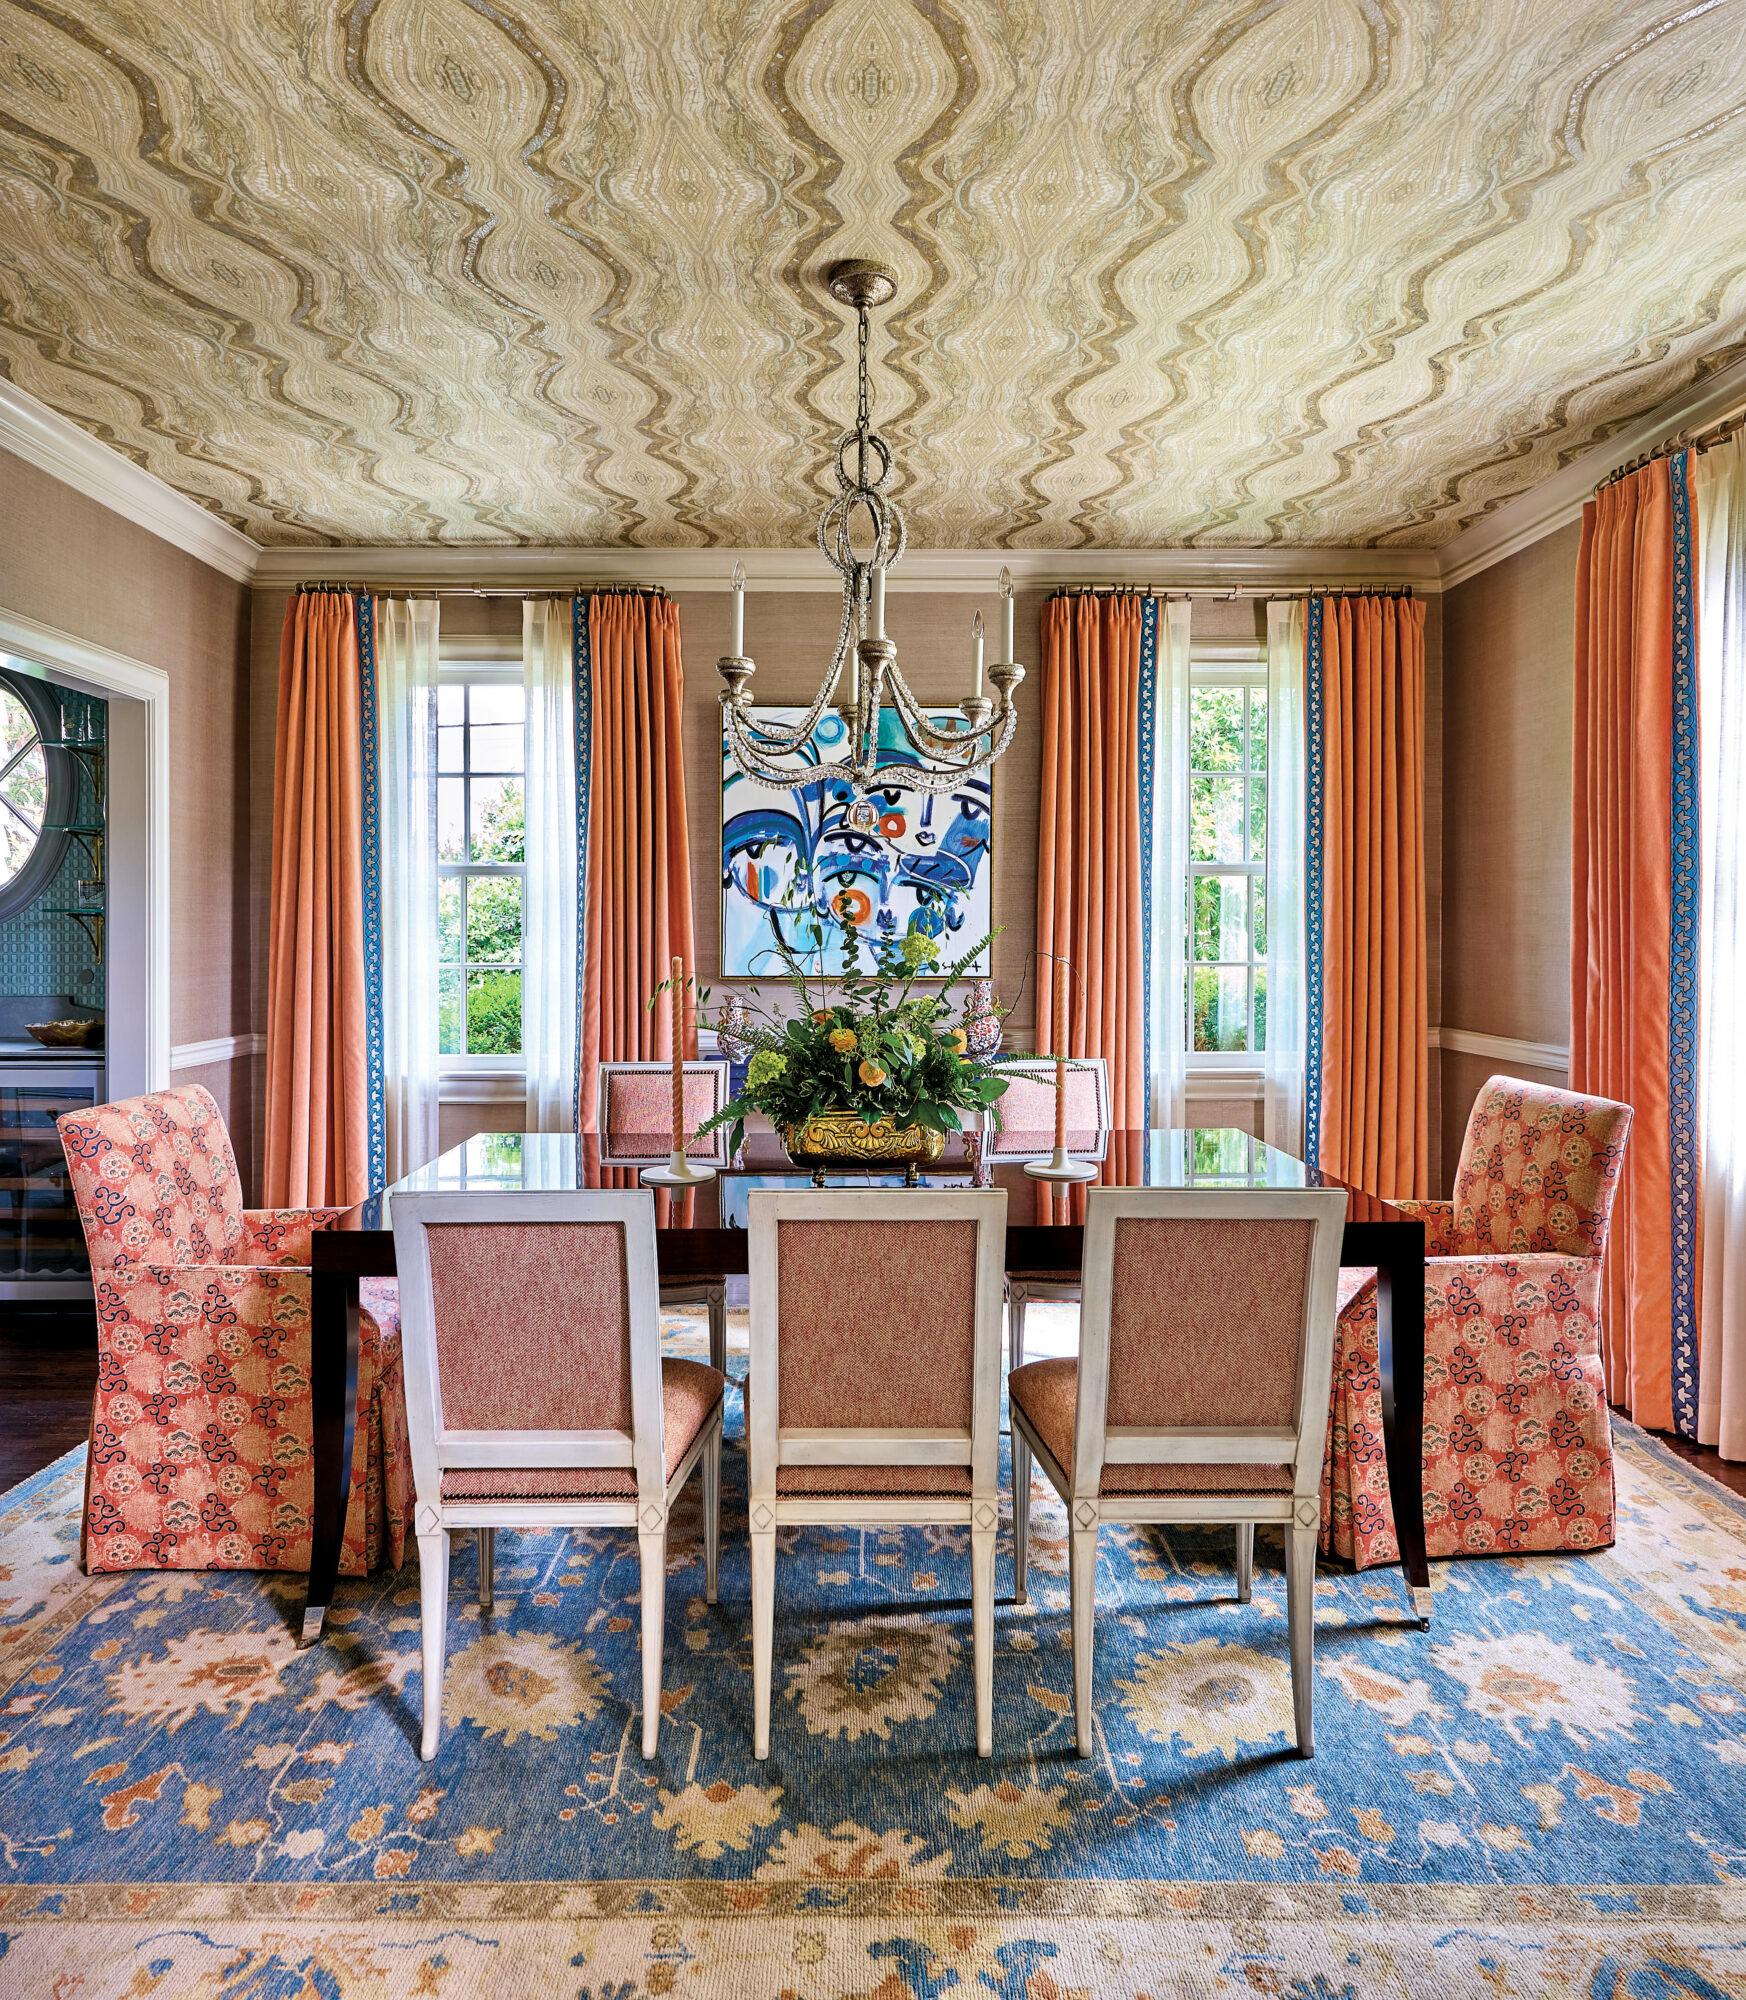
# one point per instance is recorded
(1335, 272)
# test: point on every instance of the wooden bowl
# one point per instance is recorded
(66, 1034)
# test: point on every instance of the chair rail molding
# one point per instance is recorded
(1503, 1049)
(57, 446)
(139, 800)
(222, 1048)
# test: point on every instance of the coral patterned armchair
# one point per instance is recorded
(1518, 1450)
(201, 1429)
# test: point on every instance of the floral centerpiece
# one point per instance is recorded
(869, 1072)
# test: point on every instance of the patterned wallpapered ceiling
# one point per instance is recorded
(1203, 272)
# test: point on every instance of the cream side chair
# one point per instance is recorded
(537, 1396)
(1206, 1349)
(1027, 1132)
(875, 1386)
(634, 1114)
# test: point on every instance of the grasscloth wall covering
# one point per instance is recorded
(1320, 273)
(1508, 639)
(68, 562)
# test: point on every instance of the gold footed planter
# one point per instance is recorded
(838, 1142)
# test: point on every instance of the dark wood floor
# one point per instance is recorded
(48, 1368)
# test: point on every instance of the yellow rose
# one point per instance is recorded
(843, 1040)
(871, 1074)
(959, 1040)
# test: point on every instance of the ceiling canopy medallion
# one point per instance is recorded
(930, 759)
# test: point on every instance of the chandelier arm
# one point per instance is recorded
(915, 719)
(782, 736)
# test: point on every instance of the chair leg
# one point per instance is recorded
(1021, 1518)
(487, 1568)
(1016, 1296)
(653, 1549)
(1300, 1615)
(716, 1300)
(711, 1513)
(1082, 1584)
(763, 1634)
(1245, 1561)
(433, 1600)
(982, 1633)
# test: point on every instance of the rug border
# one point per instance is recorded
(1668, 1460)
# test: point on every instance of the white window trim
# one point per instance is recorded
(1225, 1074)
(462, 1079)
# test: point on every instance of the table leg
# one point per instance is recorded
(1400, 1342)
(333, 1384)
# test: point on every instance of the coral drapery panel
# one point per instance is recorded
(1374, 1120)
(636, 864)
(1090, 897)
(1623, 883)
(317, 1127)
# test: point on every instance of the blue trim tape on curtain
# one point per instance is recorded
(1148, 823)
(1314, 840)
(370, 758)
(1682, 971)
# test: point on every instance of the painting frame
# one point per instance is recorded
(906, 877)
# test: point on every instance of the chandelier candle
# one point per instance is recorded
(1005, 616)
(976, 656)
(739, 610)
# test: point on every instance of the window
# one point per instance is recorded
(481, 856)
(1227, 930)
(37, 791)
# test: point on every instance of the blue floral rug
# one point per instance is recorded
(1545, 1794)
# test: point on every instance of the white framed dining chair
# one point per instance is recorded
(537, 1397)
(634, 1112)
(874, 1392)
(1027, 1132)
(1206, 1352)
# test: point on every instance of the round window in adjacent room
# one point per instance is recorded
(38, 790)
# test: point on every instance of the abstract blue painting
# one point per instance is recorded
(790, 858)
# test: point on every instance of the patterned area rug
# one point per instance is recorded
(1545, 1794)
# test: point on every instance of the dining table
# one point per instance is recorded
(701, 1234)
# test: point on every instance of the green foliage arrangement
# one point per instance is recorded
(864, 1042)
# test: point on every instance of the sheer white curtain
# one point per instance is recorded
(1282, 1063)
(1168, 1026)
(1721, 524)
(406, 684)
(548, 950)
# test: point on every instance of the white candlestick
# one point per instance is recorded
(1006, 617)
(879, 602)
(739, 646)
(976, 666)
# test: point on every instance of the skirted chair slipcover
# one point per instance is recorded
(202, 1428)
(1517, 1448)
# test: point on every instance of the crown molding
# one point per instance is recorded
(56, 445)
(1525, 518)
(805, 569)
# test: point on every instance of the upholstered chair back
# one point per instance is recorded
(532, 1325)
(1026, 1109)
(155, 1180)
(1206, 1319)
(636, 1110)
(1206, 1336)
(1538, 1171)
(876, 1323)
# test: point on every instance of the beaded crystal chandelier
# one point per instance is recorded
(934, 759)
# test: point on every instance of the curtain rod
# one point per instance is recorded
(1693, 440)
(467, 590)
(1235, 590)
